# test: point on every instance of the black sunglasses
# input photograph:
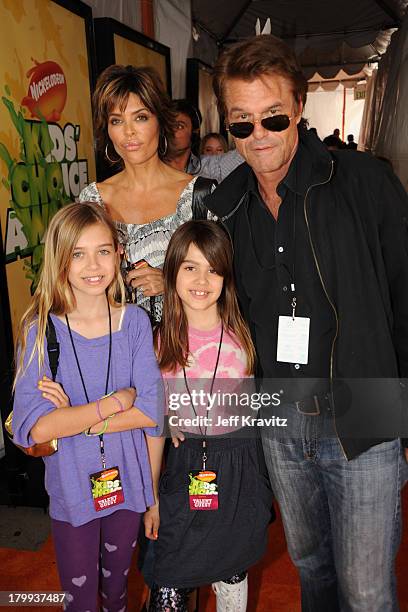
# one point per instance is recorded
(243, 129)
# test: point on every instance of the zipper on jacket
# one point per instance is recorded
(223, 219)
(234, 210)
(327, 295)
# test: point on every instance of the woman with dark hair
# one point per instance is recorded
(147, 199)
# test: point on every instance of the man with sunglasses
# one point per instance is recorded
(321, 263)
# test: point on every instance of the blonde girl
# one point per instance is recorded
(107, 391)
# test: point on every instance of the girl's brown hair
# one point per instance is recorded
(113, 87)
(54, 293)
(171, 338)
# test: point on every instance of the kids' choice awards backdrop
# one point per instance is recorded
(46, 138)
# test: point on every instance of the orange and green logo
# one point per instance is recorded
(47, 91)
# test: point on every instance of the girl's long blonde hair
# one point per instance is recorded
(54, 293)
(171, 337)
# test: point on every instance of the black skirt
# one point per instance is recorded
(198, 547)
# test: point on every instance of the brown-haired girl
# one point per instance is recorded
(214, 496)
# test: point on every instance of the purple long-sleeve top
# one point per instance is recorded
(133, 364)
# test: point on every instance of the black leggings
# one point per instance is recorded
(171, 599)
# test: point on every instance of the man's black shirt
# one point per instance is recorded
(279, 256)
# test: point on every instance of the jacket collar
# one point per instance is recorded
(194, 164)
(312, 164)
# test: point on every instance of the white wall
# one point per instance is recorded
(173, 28)
(125, 11)
(324, 111)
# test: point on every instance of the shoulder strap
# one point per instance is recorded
(202, 188)
(53, 348)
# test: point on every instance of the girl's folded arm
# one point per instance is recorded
(130, 419)
(71, 420)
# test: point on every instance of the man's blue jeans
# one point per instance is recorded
(342, 518)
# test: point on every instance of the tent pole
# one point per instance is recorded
(344, 113)
(146, 8)
(379, 26)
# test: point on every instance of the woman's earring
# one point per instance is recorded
(162, 151)
(112, 161)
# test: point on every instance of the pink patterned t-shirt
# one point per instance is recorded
(231, 379)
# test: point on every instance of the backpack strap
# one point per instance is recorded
(202, 188)
(53, 348)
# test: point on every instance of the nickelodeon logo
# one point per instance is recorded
(39, 89)
(47, 91)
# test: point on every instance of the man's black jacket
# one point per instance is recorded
(357, 214)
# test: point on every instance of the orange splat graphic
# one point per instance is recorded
(47, 91)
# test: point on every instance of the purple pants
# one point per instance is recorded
(94, 559)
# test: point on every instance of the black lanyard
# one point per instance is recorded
(293, 284)
(211, 390)
(101, 443)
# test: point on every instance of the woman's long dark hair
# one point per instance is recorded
(171, 338)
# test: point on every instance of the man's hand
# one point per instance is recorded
(406, 454)
(54, 392)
